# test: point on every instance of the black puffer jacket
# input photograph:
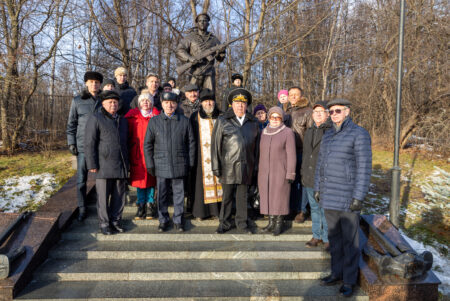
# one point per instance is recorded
(81, 108)
(127, 93)
(235, 148)
(311, 147)
(106, 145)
(169, 146)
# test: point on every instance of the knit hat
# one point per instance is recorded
(281, 92)
(259, 107)
(105, 95)
(145, 95)
(93, 76)
(108, 82)
(277, 110)
(207, 94)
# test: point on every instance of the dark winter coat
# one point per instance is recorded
(169, 146)
(106, 145)
(127, 94)
(137, 128)
(187, 107)
(235, 148)
(81, 108)
(344, 166)
(299, 118)
(277, 161)
(311, 147)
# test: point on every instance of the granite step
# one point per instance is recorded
(128, 219)
(183, 290)
(150, 233)
(179, 269)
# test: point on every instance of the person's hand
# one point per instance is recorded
(356, 205)
(290, 181)
(216, 173)
(73, 149)
(93, 170)
(317, 196)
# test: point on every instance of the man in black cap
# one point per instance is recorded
(236, 82)
(81, 108)
(234, 152)
(191, 103)
(197, 40)
(169, 150)
(205, 193)
(107, 157)
(341, 182)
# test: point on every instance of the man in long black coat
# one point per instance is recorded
(235, 144)
(169, 150)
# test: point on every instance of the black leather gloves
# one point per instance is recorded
(356, 205)
(317, 196)
(73, 149)
(290, 181)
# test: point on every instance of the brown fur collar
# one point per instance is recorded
(303, 102)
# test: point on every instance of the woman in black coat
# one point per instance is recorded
(107, 157)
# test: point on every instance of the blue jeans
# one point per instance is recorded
(82, 174)
(145, 195)
(319, 223)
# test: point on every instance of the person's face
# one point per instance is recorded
(338, 114)
(261, 115)
(275, 120)
(145, 104)
(202, 23)
(152, 84)
(168, 89)
(169, 107)
(294, 96)
(93, 86)
(191, 95)
(319, 115)
(283, 98)
(239, 108)
(208, 106)
(121, 78)
(237, 82)
(108, 87)
(172, 83)
(111, 105)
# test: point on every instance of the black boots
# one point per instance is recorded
(152, 211)
(279, 221)
(140, 214)
(270, 226)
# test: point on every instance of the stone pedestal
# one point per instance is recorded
(391, 288)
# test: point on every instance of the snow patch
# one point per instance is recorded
(17, 192)
(441, 264)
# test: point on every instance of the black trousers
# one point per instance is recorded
(229, 192)
(109, 210)
(343, 234)
(163, 185)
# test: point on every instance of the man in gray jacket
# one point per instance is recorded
(81, 108)
(169, 150)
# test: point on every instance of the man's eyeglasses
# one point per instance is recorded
(337, 111)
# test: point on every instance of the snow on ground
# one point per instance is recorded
(17, 192)
(441, 264)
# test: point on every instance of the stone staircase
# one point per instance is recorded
(142, 264)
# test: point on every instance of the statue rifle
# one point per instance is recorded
(209, 54)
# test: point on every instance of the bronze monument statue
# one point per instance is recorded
(194, 53)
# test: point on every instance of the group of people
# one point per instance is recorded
(174, 145)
